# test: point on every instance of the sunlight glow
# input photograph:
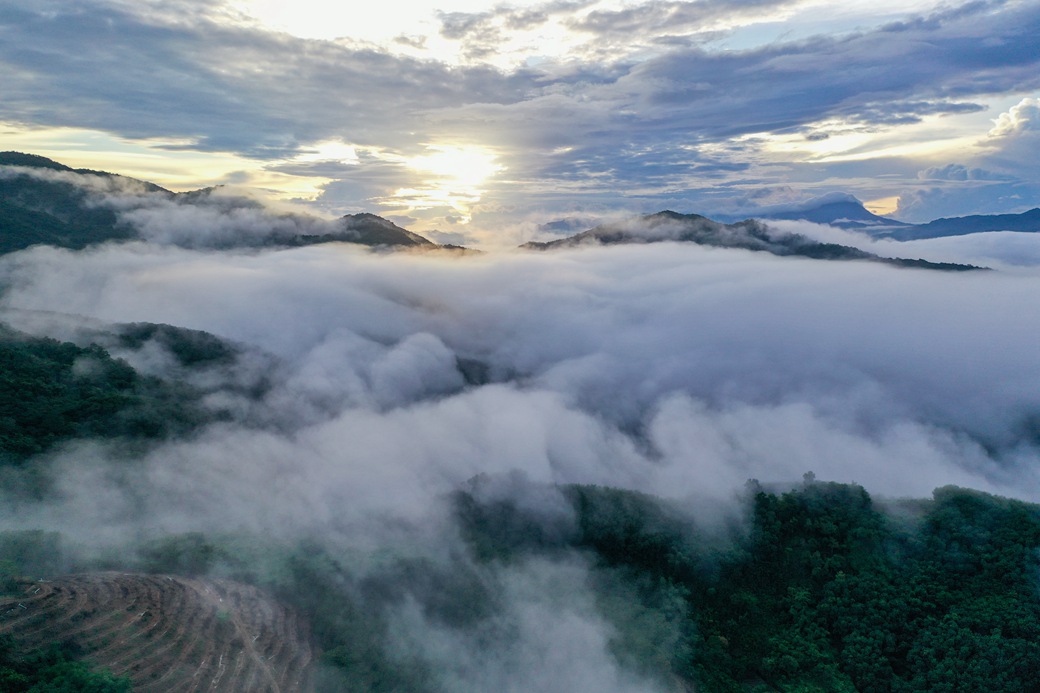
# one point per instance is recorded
(330, 150)
(450, 176)
(835, 141)
(465, 166)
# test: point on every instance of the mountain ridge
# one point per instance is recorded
(55, 210)
(847, 212)
(749, 234)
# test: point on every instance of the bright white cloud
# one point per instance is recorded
(1023, 117)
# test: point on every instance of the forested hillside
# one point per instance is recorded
(52, 391)
(825, 591)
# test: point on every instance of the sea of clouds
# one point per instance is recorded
(668, 368)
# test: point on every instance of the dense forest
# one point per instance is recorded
(821, 589)
(53, 391)
(825, 592)
(54, 669)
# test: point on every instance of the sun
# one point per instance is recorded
(451, 176)
(457, 166)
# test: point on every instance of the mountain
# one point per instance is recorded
(836, 209)
(749, 234)
(53, 391)
(53, 209)
(847, 212)
(44, 202)
(367, 229)
(1028, 222)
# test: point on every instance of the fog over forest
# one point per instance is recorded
(389, 380)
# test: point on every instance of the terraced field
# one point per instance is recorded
(168, 633)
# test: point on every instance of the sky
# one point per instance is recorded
(469, 121)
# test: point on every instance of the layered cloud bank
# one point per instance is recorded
(668, 368)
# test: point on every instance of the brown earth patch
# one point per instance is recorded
(167, 633)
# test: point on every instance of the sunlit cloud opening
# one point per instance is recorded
(450, 176)
(330, 150)
(883, 205)
(464, 166)
(837, 140)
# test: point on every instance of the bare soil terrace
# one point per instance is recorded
(168, 633)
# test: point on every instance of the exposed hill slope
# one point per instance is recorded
(167, 633)
(749, 235)
(44, 202)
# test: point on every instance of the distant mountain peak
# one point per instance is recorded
(668, 216)
(837, 209)
(1026, 222)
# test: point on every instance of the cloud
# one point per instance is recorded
(555, 637)
(449, 237)
(1006, 250)
(649, 124)
(219, 86)
(1015, 139)
(648, 127)
(1002, 176)
(959, 172)
(1023, 117)
(606, 335)
(658, 17)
